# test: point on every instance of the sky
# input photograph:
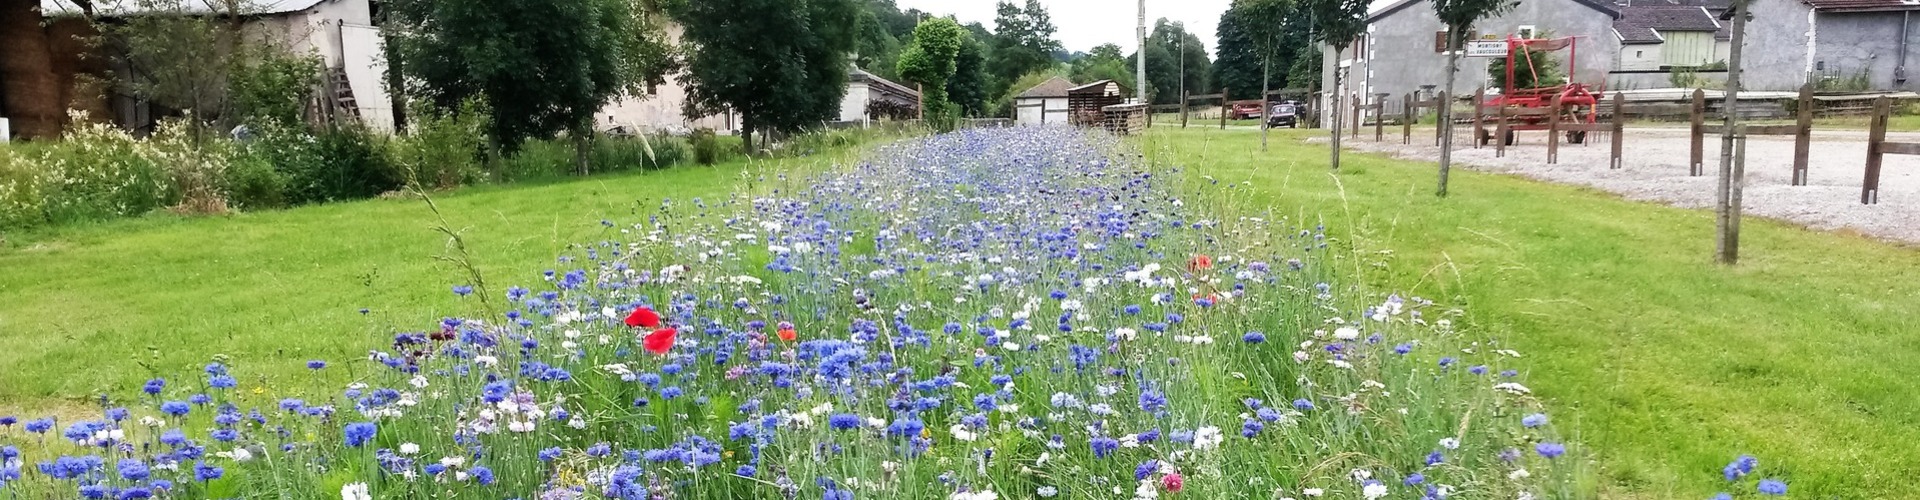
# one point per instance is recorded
(1083, 24)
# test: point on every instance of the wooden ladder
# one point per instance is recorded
(345, 107)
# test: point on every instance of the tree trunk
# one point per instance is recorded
(1732, 177)
(746, 139)
(30, 89)
(582, 147)
(1444, 113)
(1266, 66)
(1333, 105)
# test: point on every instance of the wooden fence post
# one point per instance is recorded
(1380, 116)
(1619, 128)
(1553, 130)
(1500, 132)
(1185, 100)
(1876, 136)
(1442, 110)
(1226, 106)
(1479, 115)
(1355, 127)
(1406, 122)
(1803, 136)
(1696, 162)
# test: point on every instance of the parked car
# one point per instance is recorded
(1246, 110)
(1284, 114)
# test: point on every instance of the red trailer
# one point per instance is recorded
(1577, 103)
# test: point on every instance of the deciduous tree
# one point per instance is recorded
(1022, 43)
(931, 61)
(1337, 23)
(781, 64)
(542, 67)
(1458, 16)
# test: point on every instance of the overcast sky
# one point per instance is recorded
(1083, 24)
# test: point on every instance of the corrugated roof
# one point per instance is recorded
(1863, 5)
(1382, 8)
(1053, 87)
(1642, 24)
(128, 7)
(860, 75)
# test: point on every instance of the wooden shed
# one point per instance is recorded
(1085, 102)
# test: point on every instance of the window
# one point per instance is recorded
(1440, 41)
(1525, 31)
(1639, 54)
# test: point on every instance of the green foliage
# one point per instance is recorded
(1459, 15)
(1533, 68)
(968, 88)
(345, 163)
(536, 160)
(1169, 47)
(1022, 43)
(1337, 22)
(705, 146)
(930, 61)
(185, 60)
(783, 68)
(272, 88)
(443, 149)
(543, 66)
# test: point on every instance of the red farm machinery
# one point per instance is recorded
(1531, 108)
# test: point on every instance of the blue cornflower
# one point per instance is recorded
(482, 474)
(844, 421)
(1058, 294)
(1773, 487)
(1302, 404)
(1550, 450)
(1403, 348)
(9, 420)
(117, 414)
(1146, 468)
(671, 392)
(1722, 496)
(1435, 458)
(133, 470)
(1253, 337)
(550, 454)
(462, 290)
(154, 386)
(1446, 361)
(1740, 467)
(174, 408)
(1251, 428)
(1477, 369)
(1131, 309)
(359, 434)
(203, 472)
(1534, 420)
(1103, 446)
(1414, 479)
(1152, 401)
(173, 437)
(745, 470)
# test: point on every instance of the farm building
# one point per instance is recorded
(340, 32)
(1658, 40)
(1086, 102)
(870, 98)
(1043, 104)
(1837, 44)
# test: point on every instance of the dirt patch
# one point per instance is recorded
(1654, 167)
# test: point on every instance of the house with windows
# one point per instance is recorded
(1659, 41)
(1835, 44)
(1043, 104)
(1404, 48)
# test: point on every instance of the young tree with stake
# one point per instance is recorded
(1459, 16)
(1337, 23)
(1266, 26)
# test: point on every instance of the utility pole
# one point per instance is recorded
(1183, 64)
(1140, 63)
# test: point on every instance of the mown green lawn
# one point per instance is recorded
(1665, 364)
(101, 308)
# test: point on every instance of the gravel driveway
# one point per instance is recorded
(1655, 168)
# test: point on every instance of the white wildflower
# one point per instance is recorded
(1346, 333)
(355, 491)
(409, 448)
(1207, 438)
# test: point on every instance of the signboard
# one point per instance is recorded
(1483, 48)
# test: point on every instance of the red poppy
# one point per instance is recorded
(643, 317)
(787, 334)
(1200, 262)
(659, 341)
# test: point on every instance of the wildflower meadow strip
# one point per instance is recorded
(991, 313)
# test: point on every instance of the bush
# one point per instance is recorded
(613, 154)
(345, 163)
(443, 150)
(98, 172)
(537, 159)
(705, 145)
